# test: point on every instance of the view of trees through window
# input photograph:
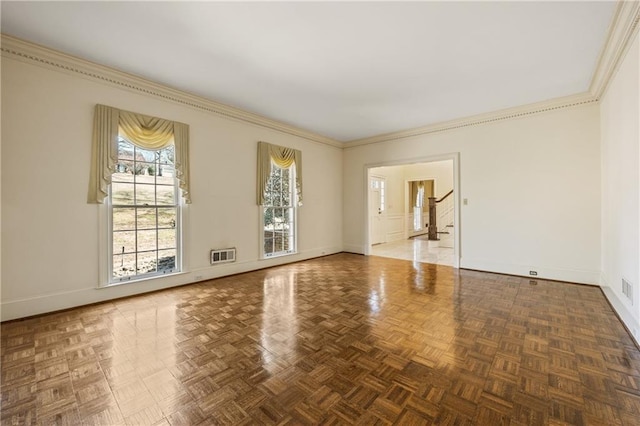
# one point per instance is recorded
(279, 213)
(144, 212)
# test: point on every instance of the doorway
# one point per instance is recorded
(398, 218)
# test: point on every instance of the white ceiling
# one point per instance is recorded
(343, 70)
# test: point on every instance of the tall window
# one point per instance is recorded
(279, 212)
(140, 172)
(417, 208)
(144, 213)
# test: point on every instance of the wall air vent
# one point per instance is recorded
(223, 256)
(627, 289)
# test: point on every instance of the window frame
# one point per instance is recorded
(294, 208)
(106, 221)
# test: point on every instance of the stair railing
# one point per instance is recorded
(433, 226)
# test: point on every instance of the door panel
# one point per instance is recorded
(377, 217)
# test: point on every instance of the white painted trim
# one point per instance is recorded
(457, 246)
(366, 250)
(15, 48)
(556, 274)
(395, 232)
(475, 120)
(353, 248)
(622, 31)
(20, 308)
(627, 318)
(367, 224)
(103, 245)
(105, 250)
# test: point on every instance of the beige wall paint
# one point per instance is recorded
(620, 133)
(50, 235)
(532, 185)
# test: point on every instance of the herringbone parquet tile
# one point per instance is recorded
(344, 339)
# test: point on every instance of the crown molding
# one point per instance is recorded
(622, 31)
(15, 48)
(475, 120)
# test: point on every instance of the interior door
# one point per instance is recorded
(377, 218)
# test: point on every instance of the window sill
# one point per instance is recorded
(140, 280)
(274, 256)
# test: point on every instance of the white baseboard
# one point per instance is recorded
(14, 309)
(395, 236)
(353, 248)
(627, 318)
(557, 274)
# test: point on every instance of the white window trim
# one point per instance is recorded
(263, 255)
(294, 206)
(105, 248)
(105, 241)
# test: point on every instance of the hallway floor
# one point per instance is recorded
(416, 249)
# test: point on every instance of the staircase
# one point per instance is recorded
(441, 215)
(446, 237)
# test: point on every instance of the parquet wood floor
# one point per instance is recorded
(343, 339)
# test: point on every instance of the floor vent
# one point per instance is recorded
(223, 256)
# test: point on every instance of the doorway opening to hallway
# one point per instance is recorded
(412, 211)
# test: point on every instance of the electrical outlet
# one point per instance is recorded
(197, 278)
(534, 273)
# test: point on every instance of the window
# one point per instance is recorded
(144, 212)
(377, 183)
(279, 194)
(417, 208)
(279, 212)
(140, 175)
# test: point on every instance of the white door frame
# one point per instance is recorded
(455, 156)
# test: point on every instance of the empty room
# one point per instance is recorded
(269, 213)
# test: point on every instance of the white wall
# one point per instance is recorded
(49, 232)
(533, 186)
(620, 133)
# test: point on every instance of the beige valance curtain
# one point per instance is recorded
(282, 157)
(143, 131)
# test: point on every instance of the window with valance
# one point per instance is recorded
(140, 169)
(279, 193)
(145, 132)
